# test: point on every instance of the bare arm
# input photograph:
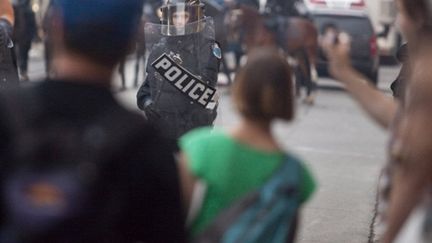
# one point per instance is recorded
(6, 11)
(378, 106)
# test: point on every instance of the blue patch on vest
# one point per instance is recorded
(216, 51)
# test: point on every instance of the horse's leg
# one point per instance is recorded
(139, 54)
(298, 80)
(311, 51)
(122, 74)
(305, 66)
(225, 69)
(297, 73)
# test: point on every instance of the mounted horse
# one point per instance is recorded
(296, 36)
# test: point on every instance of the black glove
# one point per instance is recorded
(151, 114)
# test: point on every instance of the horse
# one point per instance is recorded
(298, 37)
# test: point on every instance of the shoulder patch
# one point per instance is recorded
(217, 52)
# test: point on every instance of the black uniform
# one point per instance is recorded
(8, 68)
(165, 105)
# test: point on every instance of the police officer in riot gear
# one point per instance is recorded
(187, 42)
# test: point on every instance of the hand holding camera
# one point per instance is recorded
(336, 46)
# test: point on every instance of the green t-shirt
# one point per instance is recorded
(230, 169)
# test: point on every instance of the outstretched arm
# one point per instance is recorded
(6, 11)
(380, 107)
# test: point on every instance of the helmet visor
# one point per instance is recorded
(181, 19)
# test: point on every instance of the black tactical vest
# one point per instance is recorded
(8, 67)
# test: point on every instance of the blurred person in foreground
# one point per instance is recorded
(140, 199)
(8, 67)
(410, 148)
(179, 92)
(231, 163)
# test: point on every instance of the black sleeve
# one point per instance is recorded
(158, 207)
(7, 26)
(211, 70)
(144, 92)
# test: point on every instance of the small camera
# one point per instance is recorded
(331, 37)
(330, 33)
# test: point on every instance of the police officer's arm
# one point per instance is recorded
(211, 62)
(6, 11)
(143, 95)
(144, 92)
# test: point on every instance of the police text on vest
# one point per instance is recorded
(183, 80)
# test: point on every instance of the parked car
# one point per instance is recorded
(356, 23)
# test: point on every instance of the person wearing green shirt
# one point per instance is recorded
(232, 163)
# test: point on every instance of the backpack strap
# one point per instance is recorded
(235, 222)
(291, 170)
(270, 217)
(286, 178)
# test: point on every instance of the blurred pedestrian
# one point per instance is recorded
(409, 118)
(49, 72)
(179, 92)
(108, 175)
(229, 164)
(24, 32)
(8, 68)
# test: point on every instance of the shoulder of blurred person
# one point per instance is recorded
(145, 210)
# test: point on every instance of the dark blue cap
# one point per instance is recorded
(117, 14)
(98, 26)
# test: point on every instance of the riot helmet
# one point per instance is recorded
(182, 17)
